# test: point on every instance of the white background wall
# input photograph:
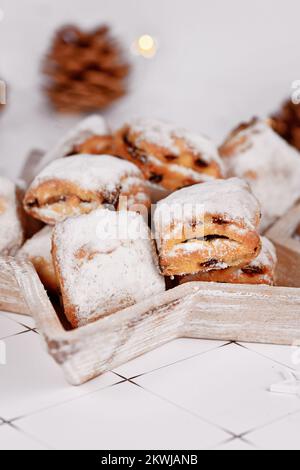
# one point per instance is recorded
(220, 61)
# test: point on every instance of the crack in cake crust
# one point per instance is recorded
(168, 156)
(79, 184)
(260, 271)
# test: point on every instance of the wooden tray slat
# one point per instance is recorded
(11, 296)
(282, 235)
(195, 310)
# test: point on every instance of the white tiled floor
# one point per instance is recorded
(227, 386)
(281, 354)
(12, 438)
(122, 417)
(9, 327)
(172, 353)
(31, 381)
(189, 394)
(284, 434)
(24, 320)
(236, 444)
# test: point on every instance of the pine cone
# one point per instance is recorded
(86, 70)
(287, 123)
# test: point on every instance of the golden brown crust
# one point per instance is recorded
(3, 205)
(208, 226)
(236, 141)
(203, 248)
(37, 250)
(159, 165)
(62, 198)
(46, 273)
(95, 145)
(247, 275)
(54, 200)
(261, 270)
(69, 308)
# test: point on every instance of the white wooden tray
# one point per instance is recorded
(285, 234)
(196, 310)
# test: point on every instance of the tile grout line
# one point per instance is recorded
(6, 315)
(37, 440)
(33, 413)
(192, 413)
(233, 439)
(119, 375)
(249, 443)
(131, 380)
(237, 436)
(175, 363)
(266, 357)
(271, 423)
(222, 443)
(28, 330)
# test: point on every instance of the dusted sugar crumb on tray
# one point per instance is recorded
(168, 156)
(11, 227)
(79, 184)
(270, 165)
(105, 262)
(207, 226)
(260, 271)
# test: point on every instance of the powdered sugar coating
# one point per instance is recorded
(38, 246)
(270, 165)
(230, 199)
(182, 170)
(261, 270)
(164, 134)
(107, 262)
(89, 172)
(94, 125)
(11, 232)
(211, 248)
(267, 256)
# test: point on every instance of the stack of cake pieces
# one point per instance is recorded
(210, 232)
(92, 191)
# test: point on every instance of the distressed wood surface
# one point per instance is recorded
(11, 295)
(196, 310)
(287, 245)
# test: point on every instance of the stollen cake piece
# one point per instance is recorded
(105, 261)
(37, 250)
(206, 227)
(168, 156)
(262, 270)
(77, 185)
(256, 153)
(11, 226)
(89, 136)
